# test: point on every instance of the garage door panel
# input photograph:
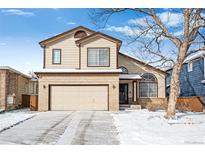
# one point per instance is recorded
(79, 98)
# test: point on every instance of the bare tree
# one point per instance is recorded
(152, 33)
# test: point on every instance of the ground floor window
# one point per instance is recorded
(148, 89)
(148, 86)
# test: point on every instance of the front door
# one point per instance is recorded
(123, 93)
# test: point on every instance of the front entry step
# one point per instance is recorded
(124, 106)
(129, 107)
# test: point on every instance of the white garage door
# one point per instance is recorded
(79, 98)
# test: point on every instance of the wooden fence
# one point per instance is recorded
(191, 103)
(30, 101)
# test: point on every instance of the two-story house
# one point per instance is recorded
(192, 77)
(84, 70)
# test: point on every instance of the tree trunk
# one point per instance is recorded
(174, 92)
(175, 83)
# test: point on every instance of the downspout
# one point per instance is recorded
(79, 56)
(44, 56)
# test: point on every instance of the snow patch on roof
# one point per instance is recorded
(13, 70)
(78, 71)
(130, 76)
(194, 56)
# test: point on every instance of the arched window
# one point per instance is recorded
(124, 70)
(80, 34)
(148, 86)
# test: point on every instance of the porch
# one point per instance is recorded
(136, 89)
(128, 88)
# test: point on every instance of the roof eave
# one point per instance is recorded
(119, 42)
(43, 42)
(157, 69)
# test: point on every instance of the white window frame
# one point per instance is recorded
(190, 66)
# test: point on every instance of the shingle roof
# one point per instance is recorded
(143, 63)
(42, 43)
(99, 33)
(13, 70)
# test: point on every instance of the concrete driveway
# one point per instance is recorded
(64, 127)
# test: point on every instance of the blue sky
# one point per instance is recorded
(22, 29)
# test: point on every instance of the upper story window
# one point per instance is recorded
(56, 56)
(80, 34)
(190, 66)
(148, 86)
(98, 57)
(124, 70)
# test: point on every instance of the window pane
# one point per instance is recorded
(104, 57)
(148, 89)
(93, 57)
(149, 77)
(152, 90)
(144, 89)
(98, 57)
(56, 56)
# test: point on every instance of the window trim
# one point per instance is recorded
(188, 68)
(148, 96)
(53, 56)
(99, 48)
(76, 35)
(122, 67)
(139, 91)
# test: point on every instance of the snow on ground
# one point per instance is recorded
(144, 127)
(7, 119)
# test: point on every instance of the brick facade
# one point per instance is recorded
(152, 103)
(11, 84)
(2, 89)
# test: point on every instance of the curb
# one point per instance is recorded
(4, 129)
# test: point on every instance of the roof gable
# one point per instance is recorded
(110, 38)
(64, 34)
(142, 63)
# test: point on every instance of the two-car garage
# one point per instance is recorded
(78, 97)
(78, 92)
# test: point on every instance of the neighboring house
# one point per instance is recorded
(192, 77)
(84, 70)
(13, 84)
(33, 86)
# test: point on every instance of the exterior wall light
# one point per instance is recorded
(113, 86)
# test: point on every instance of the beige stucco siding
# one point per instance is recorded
(94, 79)
(98, 42)
(134, 67)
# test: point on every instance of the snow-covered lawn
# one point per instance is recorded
(8, 119)
(144, 127)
